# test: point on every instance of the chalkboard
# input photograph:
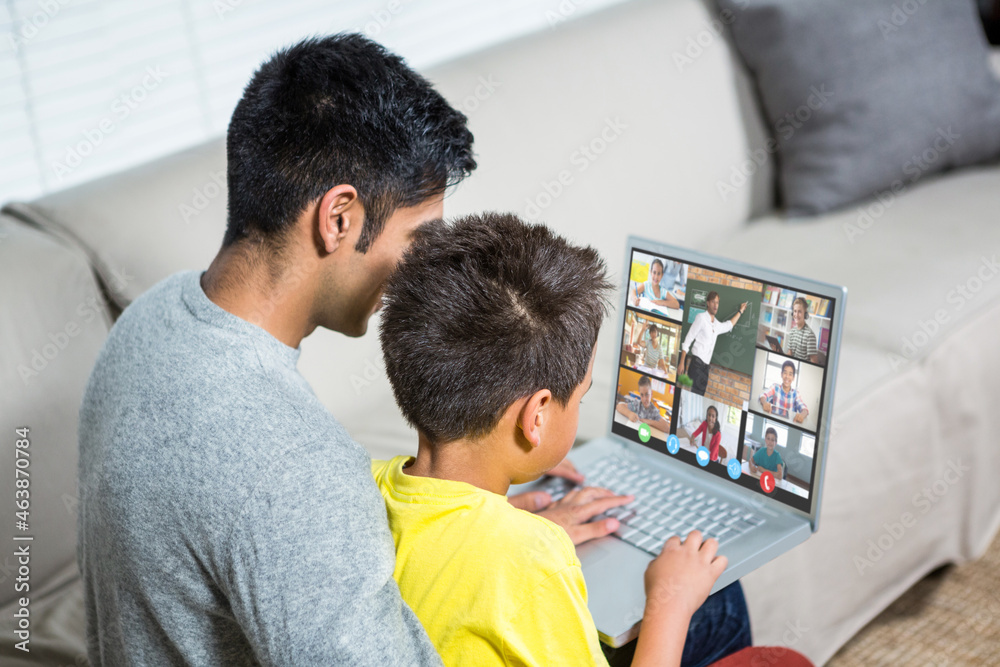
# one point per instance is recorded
(734, 350)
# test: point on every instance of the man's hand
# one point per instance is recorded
(575, 511)
(799, 417)
(766, 406)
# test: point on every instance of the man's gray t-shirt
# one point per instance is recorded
(226, 518)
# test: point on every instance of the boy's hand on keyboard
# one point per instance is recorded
(681, 577)
(566, 470)
(576, 509)
(677, 583)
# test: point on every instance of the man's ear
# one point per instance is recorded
(340, 213)
(533, 415)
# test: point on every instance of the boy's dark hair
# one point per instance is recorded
(788, 364)
(333, 110)
(771, 431)
(484, 312)
(644, 382)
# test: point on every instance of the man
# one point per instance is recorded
(225, 516)
(700, 342)
(768, 458)
(643, 409)
(800, 342)
(783, 401)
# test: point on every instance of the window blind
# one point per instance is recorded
(88, 87)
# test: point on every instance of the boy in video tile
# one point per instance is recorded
(800, 341)
(783, 401)
(644, 409)
(768, 458)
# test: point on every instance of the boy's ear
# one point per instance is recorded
(533, 416)
(339, 212)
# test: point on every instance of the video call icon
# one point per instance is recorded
(767, 482)
(644, 432)
(702, 455)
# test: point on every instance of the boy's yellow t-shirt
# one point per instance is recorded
(492, 584)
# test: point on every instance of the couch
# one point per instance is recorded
(594, 128)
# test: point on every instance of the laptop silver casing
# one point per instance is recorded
(614, 569)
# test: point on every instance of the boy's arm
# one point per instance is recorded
(677, 582)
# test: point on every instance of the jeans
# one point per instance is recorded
(719, 628)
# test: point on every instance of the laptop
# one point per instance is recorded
(739, 454)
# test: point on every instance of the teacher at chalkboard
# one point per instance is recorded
(700, 342)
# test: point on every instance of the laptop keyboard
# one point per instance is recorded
(663, 507)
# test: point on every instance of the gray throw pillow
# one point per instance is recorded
(865, 96)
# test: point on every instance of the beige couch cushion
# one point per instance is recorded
(145, 223)
(917, 388)
(53, 326)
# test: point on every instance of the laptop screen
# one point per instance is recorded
(725, 372)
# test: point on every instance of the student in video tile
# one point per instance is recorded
(651, 355)
(710, 431)
(653, 290)
(783, 401)
(644, 409)
(800, 341)
(700, 342)
(768, 458)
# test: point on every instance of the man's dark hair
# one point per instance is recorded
(711, 295)
(338, 110)
(485, 312)
(771, 431)
(645, 382)
(653, 330)
(788, 364)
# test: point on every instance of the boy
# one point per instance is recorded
(489, 330)
(767, 458)
(783, 401)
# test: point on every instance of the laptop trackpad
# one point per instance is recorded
(615, 589)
